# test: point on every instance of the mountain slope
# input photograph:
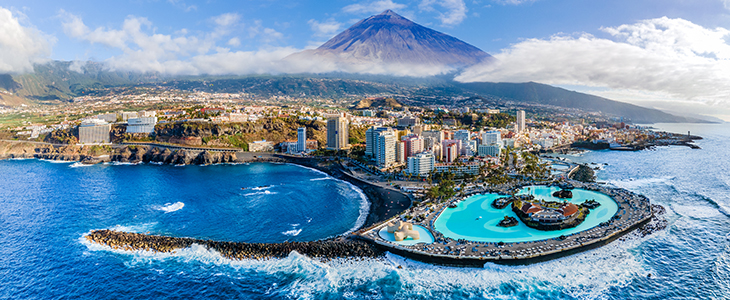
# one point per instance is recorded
(532, 92)
(390, 38)
(57, 81)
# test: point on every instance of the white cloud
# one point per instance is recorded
(668, 58)
(144, 50)
(227, 19)
(326, 29)
(77, 66)
(235, 42)
(374, 7)
(455, 10)
(20, 46)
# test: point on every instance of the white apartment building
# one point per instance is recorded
(94, 131)
(492, 137)
(141, 125)
(421, 164)
(385, 149)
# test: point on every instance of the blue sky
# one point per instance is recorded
(489, 25)
(615, 49)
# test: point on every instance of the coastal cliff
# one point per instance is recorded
(237, 134)
(123, 154)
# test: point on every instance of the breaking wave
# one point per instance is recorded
(264, 192)
(293, 232)
(79, 165)
(168, 208)
(635, 183)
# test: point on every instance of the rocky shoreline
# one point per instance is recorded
(323, 249)
(116, 153)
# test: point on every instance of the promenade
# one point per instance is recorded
(180, 147)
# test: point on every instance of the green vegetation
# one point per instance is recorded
(477, 120)
(443, 190)
(238, 141)
(357, 134)
(532, 167)
(66, 136)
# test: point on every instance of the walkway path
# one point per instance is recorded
(183, 147)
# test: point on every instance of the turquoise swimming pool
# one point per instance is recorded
(475, 219)
(425, 236)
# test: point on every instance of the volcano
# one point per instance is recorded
(389, 38)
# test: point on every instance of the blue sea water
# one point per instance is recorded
(45, 209)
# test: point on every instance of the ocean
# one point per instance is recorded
(47, 207)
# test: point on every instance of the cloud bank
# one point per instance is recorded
(20, 46)
(672, 57)
(186, 54)
(183, 53)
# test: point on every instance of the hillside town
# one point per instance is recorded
(405, 143)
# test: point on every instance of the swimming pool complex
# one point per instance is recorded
(475, 219)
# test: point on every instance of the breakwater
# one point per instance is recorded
(634, 212)
(323, 249)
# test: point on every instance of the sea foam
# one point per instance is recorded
(168, 208)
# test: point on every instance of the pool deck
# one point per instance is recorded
(633, 211)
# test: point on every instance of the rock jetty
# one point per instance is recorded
(324, 249)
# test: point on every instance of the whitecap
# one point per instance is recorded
(261, 188)
(79, 165)
(117, 163)
(318, 179)
(635, 183)
(265, 192)
(168, 208)
(54, 161)
(293, 232)
(364, 208)
(587, 275)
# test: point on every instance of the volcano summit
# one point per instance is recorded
(389, 39)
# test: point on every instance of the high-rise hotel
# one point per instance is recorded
(337, 133)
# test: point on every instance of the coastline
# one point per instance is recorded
(635, 212)
(384, 204)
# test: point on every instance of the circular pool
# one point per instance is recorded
(475, 219)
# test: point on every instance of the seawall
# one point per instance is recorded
(323, 249)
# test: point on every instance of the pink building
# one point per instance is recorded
(451, 149)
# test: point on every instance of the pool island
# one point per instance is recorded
(544, 224)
